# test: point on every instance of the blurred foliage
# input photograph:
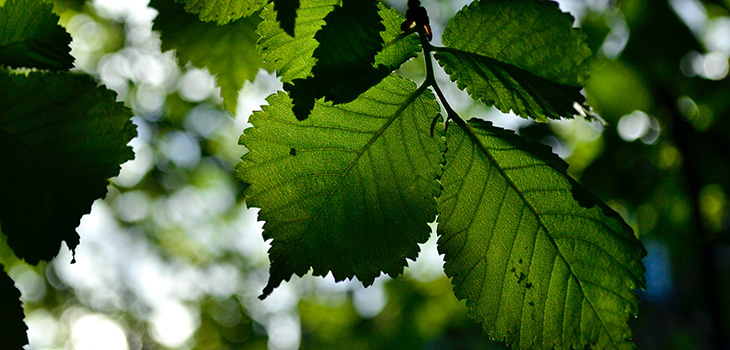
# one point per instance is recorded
(175, 209)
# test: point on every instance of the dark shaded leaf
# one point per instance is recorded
(294, 57)
(347, 47)
(286, 14)
(11, 322)
(30, 37)
(346, 56)
(61, 138)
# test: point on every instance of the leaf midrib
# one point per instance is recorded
(469, 131)
(355, 160)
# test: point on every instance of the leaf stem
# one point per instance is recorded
(431, 81)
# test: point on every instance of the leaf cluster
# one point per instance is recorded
(351, 162)
(61, 138)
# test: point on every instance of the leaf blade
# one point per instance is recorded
(294, 57)
(207, 45)
(14, 329)
(333, 176)
(30, 37)
(510, 46)
(64, 137)
(286, 14)
(222, 11)
(530, 240)
(348, 44)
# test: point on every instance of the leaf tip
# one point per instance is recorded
(270, 286)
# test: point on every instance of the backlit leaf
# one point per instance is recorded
(222, 11)
(30, 36)
(541, 263)
(349, 190)
(228, 51)
(520, 55)
(294, 57)
(61, 138)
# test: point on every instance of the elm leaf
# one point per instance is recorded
(31, 37)
(349, 190)
(228, 51)
(12, 325)
(519, 55)
(541, 263)
(61, 138)
(222, 11)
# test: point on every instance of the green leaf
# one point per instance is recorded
(520, 55)
(61, 138)
(350, 189)
(286, 14)
(541, 263)
(355, 51)
(294, 58)
(11, 323)
(222, 11)
(30, 37)
(347, 47)
(228, 51)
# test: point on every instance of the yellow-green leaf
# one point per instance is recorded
(541, 263)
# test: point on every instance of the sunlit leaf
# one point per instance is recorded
(61, 138)
(11, 322)
(541, 263)
(292, 57)
(222, 11)
(349, 190)
(30, 37)
(228, 51)
(520, 55)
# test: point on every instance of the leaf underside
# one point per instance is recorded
(30, 37)
(228, 51)
(351, 189)
(62, 137)
(222, 11)
(541, 263)
(520, 55)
